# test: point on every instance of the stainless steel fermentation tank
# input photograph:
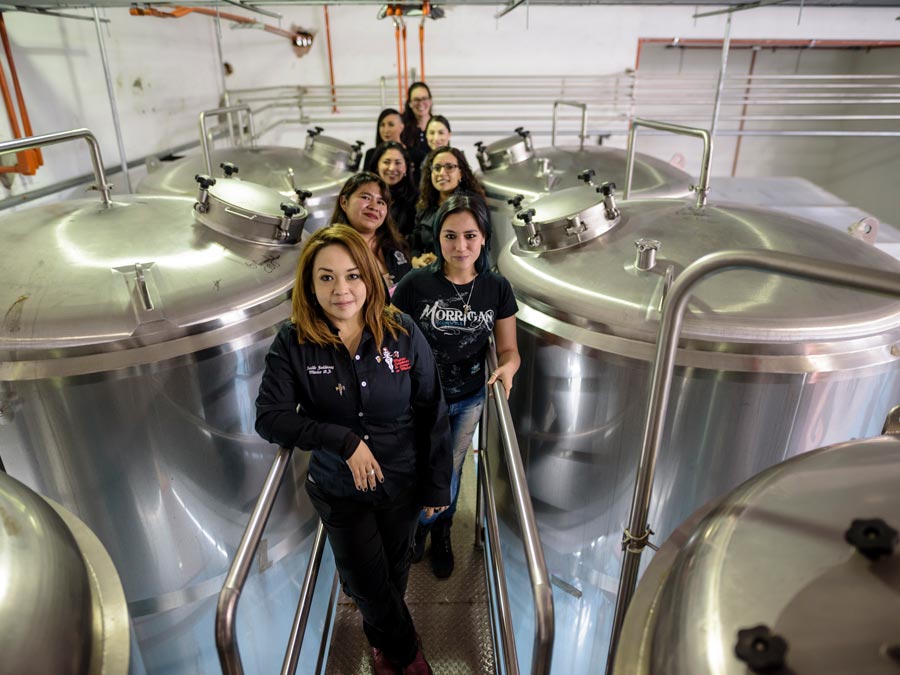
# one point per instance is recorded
(825, 602)
(320, 168)
(63, 609)
(767, 367)
(512, 167)
(132, 342)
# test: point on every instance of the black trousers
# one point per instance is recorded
(372, 543)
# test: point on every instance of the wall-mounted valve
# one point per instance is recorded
(205, 182)
(228, 168)
(608, 191)
(534, 239)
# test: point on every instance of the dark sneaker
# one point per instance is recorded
(441, 549)
(419, 666)
(382, 665)
(419, 543)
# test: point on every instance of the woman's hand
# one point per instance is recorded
(505, 374)
(422, 260)
(364, 468)
(431, 510)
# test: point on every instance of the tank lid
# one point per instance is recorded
(332, 151)
(505, 152)
(798, 568)
(249, 211)
(81, 278)
(601, 284)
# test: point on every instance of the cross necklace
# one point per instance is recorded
(467, 307)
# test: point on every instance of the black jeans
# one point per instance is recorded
(371, 541)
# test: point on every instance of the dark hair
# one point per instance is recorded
(406, 188)
(428, 194)
(410, 124)
(306, 314)
(439, 118)
(387, 233)
(475, 205)
(387, 112)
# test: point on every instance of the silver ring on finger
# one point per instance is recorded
(370, 472)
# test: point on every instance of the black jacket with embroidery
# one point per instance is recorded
(323, 400)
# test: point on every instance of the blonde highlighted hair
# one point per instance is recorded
(309, 318)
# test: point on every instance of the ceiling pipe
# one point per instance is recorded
(334, 107)
(27, 161)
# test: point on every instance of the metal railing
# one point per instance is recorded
(230, 595)
(542, 593)
(636, 536)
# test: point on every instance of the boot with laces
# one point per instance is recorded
(441, 549)
(419, 543)
(419, 666)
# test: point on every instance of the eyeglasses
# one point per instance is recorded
(416, 101)
(449, 168)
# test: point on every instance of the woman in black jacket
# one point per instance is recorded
(393, 166)
(388, 128)
(352, 381)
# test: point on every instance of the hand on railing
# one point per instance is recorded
(505, 374)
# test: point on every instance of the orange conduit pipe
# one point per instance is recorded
(179, 11)
(426, 11)
(330, 61)
(399, 65)
(405, 66)
(27, 161)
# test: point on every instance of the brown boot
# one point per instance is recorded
(419, 666)
(382, 665)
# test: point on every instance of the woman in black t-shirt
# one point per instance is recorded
(388, 128)
(391, 162)
(364, 204)
(458, 303)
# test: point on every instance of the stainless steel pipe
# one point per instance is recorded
(204, 140)
(298, 629)
(230, 595)
(62, 137)
(702, 189)
(111, 92)
(636, 536)
(574, 104)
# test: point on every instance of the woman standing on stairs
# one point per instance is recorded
(458, 303)
(352, 381)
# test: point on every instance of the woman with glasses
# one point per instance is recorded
(459, 303)
(445, 173)
(415, 118)
(388, 128)
(364, 204)
(353, 382)
(393, 166)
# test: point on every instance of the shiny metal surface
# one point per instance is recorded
(638, 532)
(63, 610)
(575, 104)
(281, 168)
(227, 110)
(542, 595)
(140, 419)
(767, 368)
(249, 211)
(837, 611)
(552, 169)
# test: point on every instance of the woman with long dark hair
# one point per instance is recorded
(459, 303)
(444, 173)
(352, 381)
(364, 204)
(394, 167)
(388, 128)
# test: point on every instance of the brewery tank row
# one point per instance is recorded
(131, 401)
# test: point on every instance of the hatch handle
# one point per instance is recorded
(101, 185)
(227, 110)
(229, 169)
(483, 157)
(702, 189)
(574, 104)
(142, 286)
(303, 195)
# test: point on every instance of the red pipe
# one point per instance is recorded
(27, 161)
(426, 12)
(334, 108)
(405, 64)
(399, 68)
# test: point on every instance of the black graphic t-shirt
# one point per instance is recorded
(459, 339)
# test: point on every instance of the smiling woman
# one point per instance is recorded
(364, 204)
(352, 381)
(393, 164)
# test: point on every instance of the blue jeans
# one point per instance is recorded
(464, 417)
